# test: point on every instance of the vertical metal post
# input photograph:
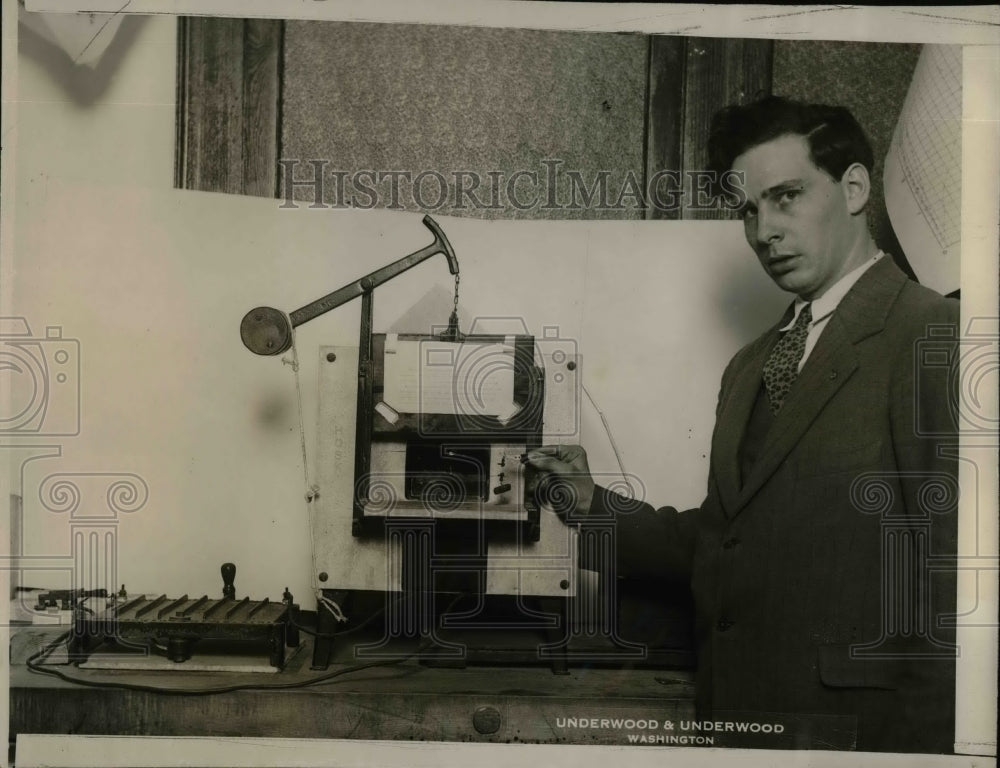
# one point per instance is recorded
(363, 441)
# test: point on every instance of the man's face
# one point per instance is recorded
(796, 217)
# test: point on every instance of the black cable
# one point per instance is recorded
(352, 630)
(41, 669)
(35, 666)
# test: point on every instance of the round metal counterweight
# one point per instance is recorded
(266, 331)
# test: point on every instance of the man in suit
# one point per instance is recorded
(831, 481)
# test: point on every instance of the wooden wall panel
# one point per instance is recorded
(690, 79)
(228, 96)
(261, 105)
(664, 123)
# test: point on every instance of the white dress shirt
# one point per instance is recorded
(823, 307)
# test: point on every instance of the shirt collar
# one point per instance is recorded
(823, 306)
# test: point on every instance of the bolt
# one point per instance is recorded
(323, 576)
(486, 720)
(571, 365)
(330, 357)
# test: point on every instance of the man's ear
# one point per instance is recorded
(857, 186)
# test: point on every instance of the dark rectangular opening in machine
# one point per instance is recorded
(446, 473)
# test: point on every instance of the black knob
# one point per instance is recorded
(228, 577)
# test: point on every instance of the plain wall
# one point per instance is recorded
(153, 282)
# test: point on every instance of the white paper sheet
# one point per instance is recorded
(923, 169)
(430, 376)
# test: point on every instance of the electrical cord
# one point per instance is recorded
(611, 438)
(352, 630)
(604, 421)
(35, 664)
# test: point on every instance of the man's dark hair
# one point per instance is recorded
(836, 141)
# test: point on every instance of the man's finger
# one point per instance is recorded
(547, 463)
(547, 450)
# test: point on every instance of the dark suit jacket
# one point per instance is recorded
(811, 591)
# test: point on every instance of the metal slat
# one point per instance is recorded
(216, 607)
(151, 607)
(130, 605)
(173, 606)
(244, 602)
(195, 605)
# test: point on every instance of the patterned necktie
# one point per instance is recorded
(782, 367)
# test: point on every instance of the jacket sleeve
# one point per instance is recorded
(651, 544)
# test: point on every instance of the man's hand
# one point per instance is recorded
(568, 486)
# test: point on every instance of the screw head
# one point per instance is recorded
(564, 584)
(330, 357)
(323, 576)
(571, 365)
(486, 720)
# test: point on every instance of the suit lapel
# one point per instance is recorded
(861, 313)
(831, 363)
(735, 415)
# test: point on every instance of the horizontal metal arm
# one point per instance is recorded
(268, 331)
(379, 276)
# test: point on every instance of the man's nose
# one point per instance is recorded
(768, 230)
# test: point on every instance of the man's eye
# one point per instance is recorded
(789, 195)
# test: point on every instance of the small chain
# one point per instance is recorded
(453, 331)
